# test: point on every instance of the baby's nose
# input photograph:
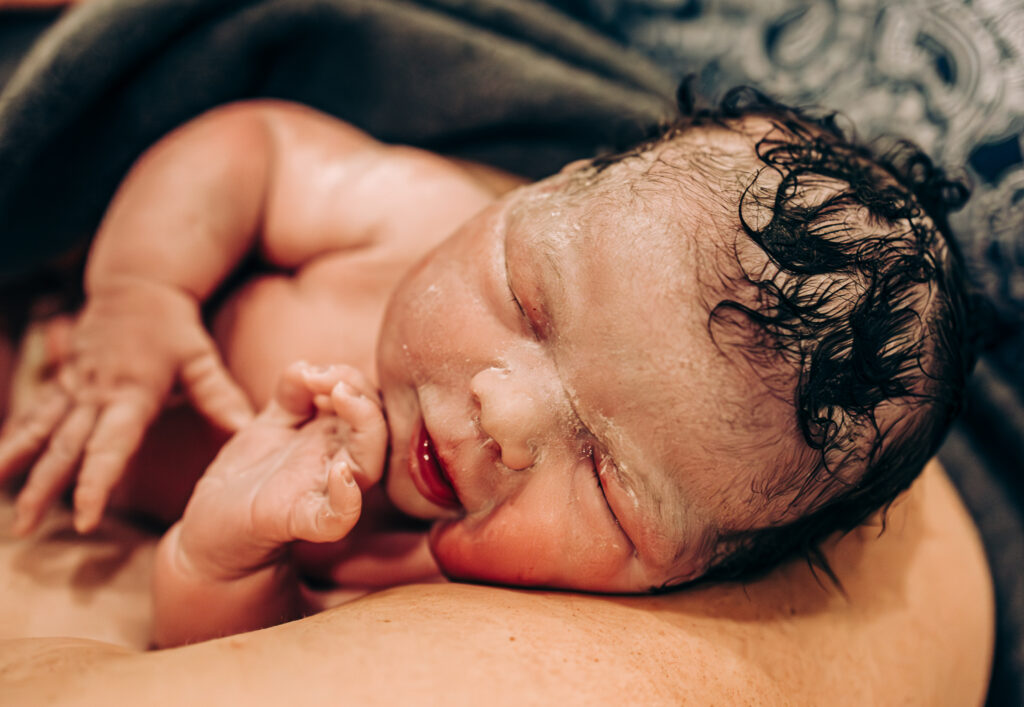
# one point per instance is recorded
(510, 414)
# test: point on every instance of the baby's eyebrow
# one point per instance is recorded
(548, 279)
(554, 264)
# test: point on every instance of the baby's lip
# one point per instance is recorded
(429, 474)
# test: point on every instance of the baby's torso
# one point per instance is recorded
(327, 311)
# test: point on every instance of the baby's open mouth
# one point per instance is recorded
(429, 474)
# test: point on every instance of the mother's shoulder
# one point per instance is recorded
(913, 622)
(915, 626)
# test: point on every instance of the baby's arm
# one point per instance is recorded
(294, 473)
(192, 208)
(183, 218)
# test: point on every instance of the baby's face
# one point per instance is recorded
(554, 398)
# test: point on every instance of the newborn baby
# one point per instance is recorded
(694, 359)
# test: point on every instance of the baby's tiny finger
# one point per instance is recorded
(344, 498)
(292, 403)
(354, 406)
(25, 435)
(355, 378)
(329, 516)
(215, 393)
(323, 403)
(117, 436)
(55, 467)
(368, 437)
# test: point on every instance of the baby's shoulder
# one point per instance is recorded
(335, 187)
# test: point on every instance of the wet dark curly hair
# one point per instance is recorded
(865, 297)
(885, 344)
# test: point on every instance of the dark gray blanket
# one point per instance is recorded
(510, 82)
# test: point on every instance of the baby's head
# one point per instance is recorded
(694, 359)
(846, 294)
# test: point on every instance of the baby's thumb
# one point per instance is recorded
(214, 392)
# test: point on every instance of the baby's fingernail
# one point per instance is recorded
(345, 470)
(85, 519)
(347, 389)
(84, 523)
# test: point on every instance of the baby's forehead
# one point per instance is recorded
(672, 208)
(702, 168)
(727, 146)
(684, 192)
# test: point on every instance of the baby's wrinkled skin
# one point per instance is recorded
(549, 348)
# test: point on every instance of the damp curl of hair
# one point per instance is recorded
(842, 304)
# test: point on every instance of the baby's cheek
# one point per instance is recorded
(541, 538)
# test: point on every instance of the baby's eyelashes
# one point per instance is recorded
(526, 319)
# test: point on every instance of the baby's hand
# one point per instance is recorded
(294, 473)
(131, 343)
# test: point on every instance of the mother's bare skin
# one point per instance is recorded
(916, 627)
